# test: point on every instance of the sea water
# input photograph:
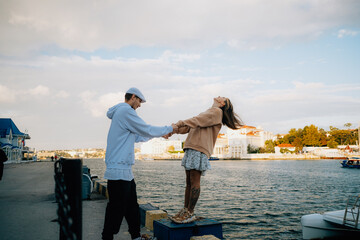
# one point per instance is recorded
(262, 199)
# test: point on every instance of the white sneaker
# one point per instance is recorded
(187, 217)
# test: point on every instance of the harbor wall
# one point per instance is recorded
(150, 213)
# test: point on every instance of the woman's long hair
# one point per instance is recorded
(230, 119)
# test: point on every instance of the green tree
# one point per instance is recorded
(269, 146)
(333, 128)
(298, 144)
(323, 137)
(332, 143)
(252, 149)
(344, 137)
(311, 136)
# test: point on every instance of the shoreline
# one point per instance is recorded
(248, 157)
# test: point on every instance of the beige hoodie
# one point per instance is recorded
(203, 130)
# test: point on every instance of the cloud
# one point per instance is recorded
(6, 95)
(39, 91)
(10, 95)
(98, 105)
(27, 26)
(302, 100)
(62, 94)
(173, 57)
(344, 32)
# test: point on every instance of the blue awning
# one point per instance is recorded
(3, 145)
(6, 124)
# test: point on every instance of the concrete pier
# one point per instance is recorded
(28, 208)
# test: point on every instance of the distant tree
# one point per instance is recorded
(279, 138)
(343, 137)
(252, 149)
(332, 143)
(311, 136)
(269, 146)
(298, 144)
(285, 150)
(333, 128)
(323, 137)
(171, 148)
(290, 137)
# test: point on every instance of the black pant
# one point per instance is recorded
(122, 203)
(1, 169)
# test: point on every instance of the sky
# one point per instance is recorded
(283, 64)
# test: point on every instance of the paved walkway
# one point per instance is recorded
(28, 208)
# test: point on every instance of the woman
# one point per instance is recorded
(202, 134)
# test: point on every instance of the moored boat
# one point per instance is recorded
(342, 224)
(352, 162)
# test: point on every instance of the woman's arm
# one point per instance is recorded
(211, 117)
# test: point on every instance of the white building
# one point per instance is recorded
(221, 148)
(239, 140)
(158, 146)
(231, 145)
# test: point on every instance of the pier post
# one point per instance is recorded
(68, 190)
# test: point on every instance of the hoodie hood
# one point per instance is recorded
(110, 113)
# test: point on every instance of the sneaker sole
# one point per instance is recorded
(190, 220)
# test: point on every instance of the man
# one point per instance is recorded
(3, 158)
(126, 128)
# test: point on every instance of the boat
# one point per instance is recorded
(214, 158)
(342, 224)
(352, 162)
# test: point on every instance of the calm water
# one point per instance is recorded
(253, 199)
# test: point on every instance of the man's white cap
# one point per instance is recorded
(137, 93)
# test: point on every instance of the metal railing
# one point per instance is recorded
(68, 193)
(352, 212)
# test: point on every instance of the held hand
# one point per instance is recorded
(167, 135)
(175, 128)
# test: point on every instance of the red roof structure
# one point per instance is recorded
(285, 145)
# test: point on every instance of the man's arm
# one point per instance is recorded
(143, 130)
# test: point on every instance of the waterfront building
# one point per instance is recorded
(12, 141)
(232, 144)
(43, 154)
(158, 146)
(221, 148)
(240, 139)
(324, 152)
(285, 146)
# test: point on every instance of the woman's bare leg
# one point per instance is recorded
(194, 194)
(187, 189)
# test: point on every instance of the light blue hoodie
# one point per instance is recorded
(127, 128)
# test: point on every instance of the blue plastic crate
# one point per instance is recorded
(165, 229)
